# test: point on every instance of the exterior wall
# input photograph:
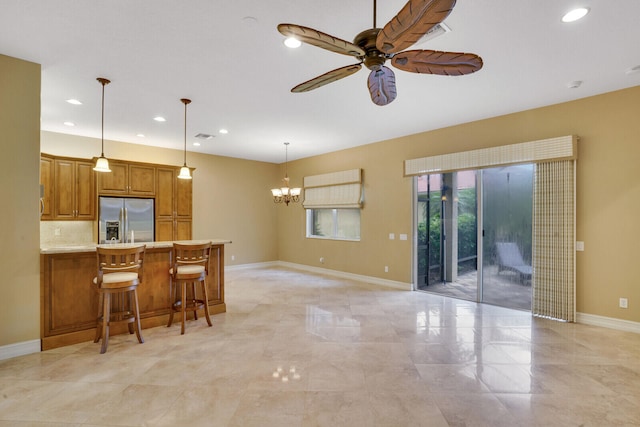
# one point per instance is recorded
(19, 192)
(608, 195)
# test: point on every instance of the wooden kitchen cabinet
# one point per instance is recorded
(128, 179)
(74, 196)
(173, 206)
(46, 183)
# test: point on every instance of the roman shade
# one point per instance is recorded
(336, 190)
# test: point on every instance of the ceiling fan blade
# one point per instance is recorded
(326, 78)
(382, 86)
(411, 23)
(436, 62)
(320, 39)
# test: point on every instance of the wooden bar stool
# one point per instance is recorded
(119, 274)
(190, 265)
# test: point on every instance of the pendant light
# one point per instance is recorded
(285, 194)
(185, 173)
(102, 164)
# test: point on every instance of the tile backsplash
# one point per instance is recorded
(55, 233)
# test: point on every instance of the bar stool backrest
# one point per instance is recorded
(191, 258)
(123, 263)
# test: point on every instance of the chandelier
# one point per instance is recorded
(285, 194)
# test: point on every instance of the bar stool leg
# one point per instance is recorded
(193, 293)
(172, 297)
(136, 313)
(183, 285)
(100, 315)
(129, 306)
(206, 302)
(106, 315)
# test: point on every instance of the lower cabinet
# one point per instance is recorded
(70, 302)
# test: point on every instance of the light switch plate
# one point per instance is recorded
(580, 246)
(403, 237)
(392, 236)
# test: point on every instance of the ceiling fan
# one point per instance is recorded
(375, 46)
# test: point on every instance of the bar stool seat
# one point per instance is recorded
(190, 265)
(117, 280)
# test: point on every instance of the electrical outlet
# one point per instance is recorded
(392, 236)
(386, 268)
(233, 257)
(624, 303)
(321, 260)
(57, 231)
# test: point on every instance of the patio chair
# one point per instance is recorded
(510, 259)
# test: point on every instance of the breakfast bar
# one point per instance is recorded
(69, 302)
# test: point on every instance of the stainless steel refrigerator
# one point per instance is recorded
(123, 219)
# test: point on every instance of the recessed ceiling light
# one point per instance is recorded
(223, 131)
(197, 144)
(292, 42)
(575, 14)
(69, 124)
(251, 20)
(575, 84)
(140, 135)
(74, 101)
(159, 119)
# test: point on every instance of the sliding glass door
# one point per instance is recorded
(507, 211)
(455, 211)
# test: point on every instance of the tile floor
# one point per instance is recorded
(300, 349)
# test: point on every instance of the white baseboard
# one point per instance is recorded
(250, 266)
(360, 278)
(19, 349)
(608, 322)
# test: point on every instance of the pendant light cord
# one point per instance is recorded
(104, 82)
(185, 102)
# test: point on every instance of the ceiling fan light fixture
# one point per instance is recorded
(575, 14)
(292, 43)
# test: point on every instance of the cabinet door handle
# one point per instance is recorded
(41, 207)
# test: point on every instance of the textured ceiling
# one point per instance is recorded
(228, 57)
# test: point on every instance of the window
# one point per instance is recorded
(338, 224)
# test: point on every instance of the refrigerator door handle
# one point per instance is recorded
(121, 228)
(126, 226)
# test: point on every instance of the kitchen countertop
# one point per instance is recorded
(91, 247)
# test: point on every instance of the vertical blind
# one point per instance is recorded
(336, 190)
(553, 279)
(553, 240)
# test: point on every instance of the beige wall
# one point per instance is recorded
(230, 196)
(19, 172)
(608, 195)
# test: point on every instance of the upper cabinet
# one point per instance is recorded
(71, 192)
(173, 206)
(46, 187)
(128, 179)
